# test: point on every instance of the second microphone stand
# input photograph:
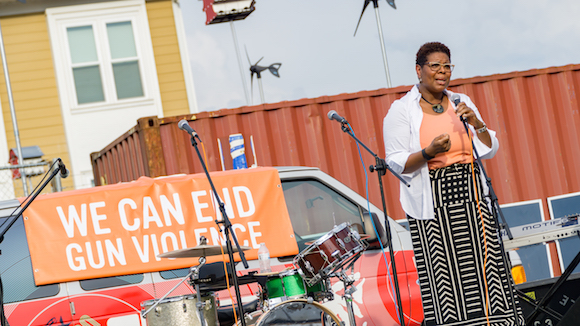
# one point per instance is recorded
(228, 232)
(56, 168)
(381, 167)
(495, 211)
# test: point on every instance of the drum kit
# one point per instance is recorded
(290, 297)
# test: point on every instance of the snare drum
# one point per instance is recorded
(181, 311)
(298, 312)
(327, 254)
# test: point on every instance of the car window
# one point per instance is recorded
(315, 209)
(174, 273)
(16, 268)
(109, 282)
(404, 223)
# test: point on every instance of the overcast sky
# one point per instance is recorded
(313, 39)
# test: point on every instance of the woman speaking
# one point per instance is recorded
(462, 276)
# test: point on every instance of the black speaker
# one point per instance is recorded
(572, 316)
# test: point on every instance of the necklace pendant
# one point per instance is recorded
(438, 108)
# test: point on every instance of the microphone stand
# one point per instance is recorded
(14, 217)
(495, 211)
(228, 231)
(381, 166)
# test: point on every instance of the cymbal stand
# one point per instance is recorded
(349, 289)
(194, 277)
(194, 274)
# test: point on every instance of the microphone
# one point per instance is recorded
(332, 115)
(456, 100)
(184, 125)
(63, 170)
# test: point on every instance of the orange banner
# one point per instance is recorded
(120, 229)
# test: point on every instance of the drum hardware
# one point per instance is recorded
(273, 273)
(336, 254)
(251, 317)
(321, 291)
(309, 267)
(213, 278)
(362, 236)
(193, 275)
(349, 289)
(341, 243)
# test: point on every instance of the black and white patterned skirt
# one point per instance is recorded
(459, 261)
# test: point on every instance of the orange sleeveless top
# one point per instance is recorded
(434, 125)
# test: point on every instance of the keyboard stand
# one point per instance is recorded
(542, 305)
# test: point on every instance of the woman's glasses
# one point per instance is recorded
(436, 66)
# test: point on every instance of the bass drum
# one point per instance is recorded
(299, 312)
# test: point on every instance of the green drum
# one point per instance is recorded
(285, 286)
(289, 285)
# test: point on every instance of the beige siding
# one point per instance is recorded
(34, 88)
(167, 58)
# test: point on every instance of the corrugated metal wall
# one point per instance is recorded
(535, 114)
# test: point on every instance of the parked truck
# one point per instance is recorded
(316, 203)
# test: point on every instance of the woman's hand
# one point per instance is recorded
(463, 111)
(440, 144)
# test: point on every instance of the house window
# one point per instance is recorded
(85, 64)
(103, 52)
(110, 74)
